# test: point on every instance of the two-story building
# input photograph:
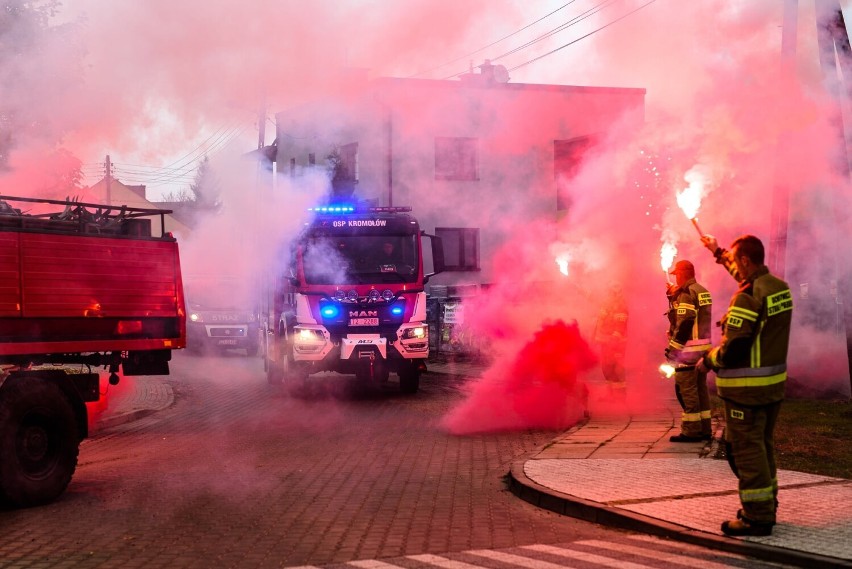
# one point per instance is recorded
(471, 156)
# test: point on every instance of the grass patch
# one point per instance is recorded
(814, 436)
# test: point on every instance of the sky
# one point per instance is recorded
(156, 85)
(162, 84)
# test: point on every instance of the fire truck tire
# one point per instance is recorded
(409, 380)
(39, 443)
(274, 374)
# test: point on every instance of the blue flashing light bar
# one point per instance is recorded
(332, 209)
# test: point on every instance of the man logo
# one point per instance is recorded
(363, 313)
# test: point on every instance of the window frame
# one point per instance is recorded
(457, 158)
(466, 237)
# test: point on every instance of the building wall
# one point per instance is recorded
(396, 121)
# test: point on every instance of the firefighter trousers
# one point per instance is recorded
(750, 434)
(691, 391)
(612, 366)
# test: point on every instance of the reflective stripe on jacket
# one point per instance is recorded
(691, 314)
(751, 360)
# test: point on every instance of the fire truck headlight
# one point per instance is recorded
(308, 336)
(195, 317)
(416, 333)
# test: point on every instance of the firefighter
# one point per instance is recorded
(690, 315)
(611, 336)
(751, 371)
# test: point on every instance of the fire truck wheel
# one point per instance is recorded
(39, 443)
(409, 380)
(274, 374)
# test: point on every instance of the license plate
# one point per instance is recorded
(364, 322)
(228, 342)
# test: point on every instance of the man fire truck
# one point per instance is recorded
(354, 299)
(83, 286)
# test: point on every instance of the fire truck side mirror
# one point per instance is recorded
(437, 250)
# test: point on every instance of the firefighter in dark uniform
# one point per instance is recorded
(611, 336)
(751, 371)
(690, 317)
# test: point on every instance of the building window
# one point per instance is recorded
(292, 167)
(456, 159)
(312, 158)
(461, 248)
(568, 155)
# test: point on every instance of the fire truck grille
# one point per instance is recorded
(227, 332)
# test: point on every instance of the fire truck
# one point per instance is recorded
(84, 286)
(352, 299)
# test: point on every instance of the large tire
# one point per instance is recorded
(409, 379)
(39, 442)
(282, 369)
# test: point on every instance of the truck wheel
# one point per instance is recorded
(278, 371)
(39, 442)
(409, 379)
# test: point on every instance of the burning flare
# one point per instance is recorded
(667, 254)
(667, 369)
(562, 260)
(689, 200)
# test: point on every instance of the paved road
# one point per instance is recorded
(236, 474)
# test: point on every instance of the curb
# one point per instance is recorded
(598, 513)
(166, 401)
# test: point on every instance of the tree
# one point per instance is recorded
(206, 188)
(203, 195)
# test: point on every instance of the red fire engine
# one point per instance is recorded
(353, 300)
(83, 286)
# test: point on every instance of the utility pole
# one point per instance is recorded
(781, 196)
(108, 181)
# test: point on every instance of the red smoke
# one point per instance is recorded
(112, 397)
(541, 388)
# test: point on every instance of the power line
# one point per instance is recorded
(492, 43)
(577, 19)
(183, 169)
(583, 37)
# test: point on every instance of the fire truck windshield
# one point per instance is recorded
(360, 259)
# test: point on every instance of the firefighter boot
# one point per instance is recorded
(746, 527)
(686, 439)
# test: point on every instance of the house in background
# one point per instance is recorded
(112, 192)
(467, 155)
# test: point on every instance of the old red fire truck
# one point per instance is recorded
(82, 286)
(352, 299)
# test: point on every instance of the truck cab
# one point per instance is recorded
(353, 300)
